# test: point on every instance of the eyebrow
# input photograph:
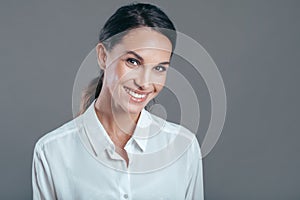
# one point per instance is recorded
(141, 58)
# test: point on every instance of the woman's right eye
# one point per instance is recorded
(133, 61)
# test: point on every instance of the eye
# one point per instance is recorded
(133, 61)
(160, 68)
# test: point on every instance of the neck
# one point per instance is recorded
(118, 123)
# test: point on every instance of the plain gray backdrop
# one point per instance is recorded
(254, 43)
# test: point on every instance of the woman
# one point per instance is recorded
(115, 149)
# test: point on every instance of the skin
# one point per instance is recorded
(139, 62)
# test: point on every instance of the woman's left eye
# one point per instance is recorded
(160, 68)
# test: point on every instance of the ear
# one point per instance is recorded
(101, 55)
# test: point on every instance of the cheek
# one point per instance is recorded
(159, 84)
(115, 73)
(159, 80)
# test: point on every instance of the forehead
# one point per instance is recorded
(145, 41)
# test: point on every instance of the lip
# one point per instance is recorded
(135, 99)
(137, 91)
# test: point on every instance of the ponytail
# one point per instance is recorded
(89, 95)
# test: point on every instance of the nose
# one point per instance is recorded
(142, 81)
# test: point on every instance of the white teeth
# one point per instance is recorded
(135, 95)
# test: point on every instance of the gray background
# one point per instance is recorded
(255, 44)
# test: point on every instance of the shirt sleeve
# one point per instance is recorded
(42, 184)
(195, 190)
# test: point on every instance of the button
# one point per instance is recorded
(125, 196)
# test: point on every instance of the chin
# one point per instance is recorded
(134, 109)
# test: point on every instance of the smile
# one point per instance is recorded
(136, 96)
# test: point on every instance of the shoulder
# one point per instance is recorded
(173, 133)
(60, 136)
(170, 128)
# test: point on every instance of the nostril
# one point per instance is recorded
(140, 85)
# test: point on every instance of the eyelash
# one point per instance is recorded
(130, 60)
(158, 68)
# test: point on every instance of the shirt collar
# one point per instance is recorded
(100, 140)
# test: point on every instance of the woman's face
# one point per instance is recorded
(136, 68)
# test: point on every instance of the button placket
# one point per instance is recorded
(125, 186)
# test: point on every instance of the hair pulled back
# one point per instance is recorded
(126, 18)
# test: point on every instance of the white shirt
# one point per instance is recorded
(77, 161)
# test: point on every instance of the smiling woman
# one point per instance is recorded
(115, 149)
